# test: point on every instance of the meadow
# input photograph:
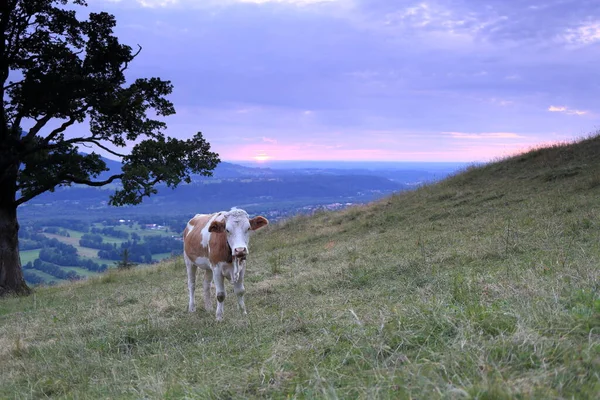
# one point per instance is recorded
(72, 237)
(482, 286)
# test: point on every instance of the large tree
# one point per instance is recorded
(57, 71)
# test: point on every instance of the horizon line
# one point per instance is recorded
(348, 161)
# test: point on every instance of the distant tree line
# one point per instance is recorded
(95, 241)
(52, 269)
(34, 278)
(60, 257)
(57, 231)
(29, 240)
(73, 224)
(137, 253)
(110, 231)
(140, 252)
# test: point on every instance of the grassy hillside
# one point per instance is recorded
(485, 285)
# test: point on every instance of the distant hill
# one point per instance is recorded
(484, 285)
(223, 170)
(283, 191)
(400, 172)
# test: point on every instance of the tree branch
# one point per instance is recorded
(43, 121)
(114, 153)
(62, 143)
(74, 179)
(39, 125)
(66, 179)
(60, 129)
(132, 58)
(17, 121)
(33, 194)
(13, 84)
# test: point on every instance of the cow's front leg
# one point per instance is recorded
(208, 278)
(220, 288)
(191, 273)
(238, 288)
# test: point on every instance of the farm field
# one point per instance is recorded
(29, 255)
(133, 234)
(160, 256)
(81, 271)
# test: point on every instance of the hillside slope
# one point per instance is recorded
(485, 285)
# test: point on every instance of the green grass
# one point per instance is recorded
(111, 240)
(160, 256)
(102, 260)
(483, 286)
(81, 271)
(29, 255)
(75, 234)
(73, 240)
(87, 252)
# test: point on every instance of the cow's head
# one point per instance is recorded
(237, 225)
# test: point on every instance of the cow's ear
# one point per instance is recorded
(258, 222)
(217, 227)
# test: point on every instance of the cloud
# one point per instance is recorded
(147, 3)
(587, 33)
(478, 136)
(331, 73)
(566, 110)
(218, 3)
(296, 2)
(557, 109)
(492, 22)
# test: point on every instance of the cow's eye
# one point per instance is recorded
(227, 230)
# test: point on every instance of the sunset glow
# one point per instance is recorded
(384, 146)
(261, 157)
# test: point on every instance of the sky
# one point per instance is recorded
(370, 80)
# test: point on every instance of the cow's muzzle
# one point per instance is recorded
(240, 253)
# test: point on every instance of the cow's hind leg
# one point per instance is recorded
(239, 290)
(208, 278)
(220, 289)
(191, 273)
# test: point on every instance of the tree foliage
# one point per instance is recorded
(58, 71)
(65, 96)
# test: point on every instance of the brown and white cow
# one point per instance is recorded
(218, 244)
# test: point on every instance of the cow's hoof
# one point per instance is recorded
(192, 309)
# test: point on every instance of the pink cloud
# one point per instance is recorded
(269, 140)
(566, 110)
(478, 136)
(465, 151)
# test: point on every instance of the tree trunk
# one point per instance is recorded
(11, 275)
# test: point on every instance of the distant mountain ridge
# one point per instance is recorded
(279, 191)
